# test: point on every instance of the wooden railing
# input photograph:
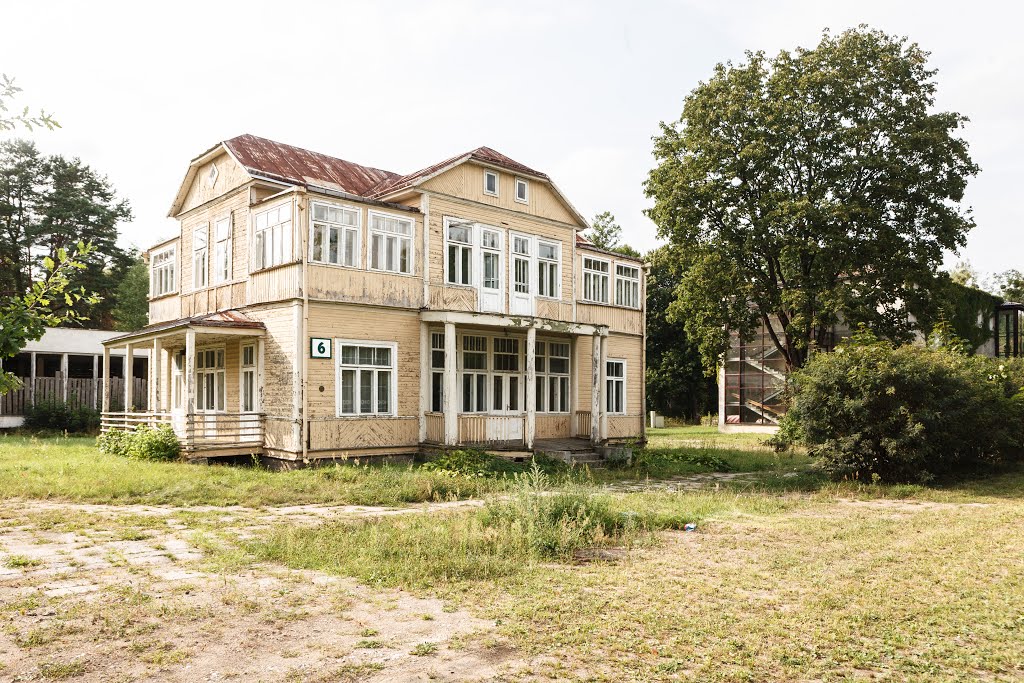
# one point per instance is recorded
(435, 427)
(129, 421)
(583, 424)
(491, 429)
(198, 432)
(81, 392)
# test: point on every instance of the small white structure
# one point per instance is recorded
(66, 365)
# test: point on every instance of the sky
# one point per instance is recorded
(574, 89)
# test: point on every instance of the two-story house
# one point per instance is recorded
(313, 308)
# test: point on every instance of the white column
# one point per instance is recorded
(129, 389)
(64, 375)
(154, 369)
(574, 385)
(425, 374)
(95, 381)
(604, 389)
(32, 380)
(451, 410)
(260, 346)
(531, 386)
(105, 407)
(595, 392)
(190, 384)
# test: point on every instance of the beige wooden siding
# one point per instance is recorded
(337, 283)
(164, 309)
(618, 319)
(625, 427)
(348, 434)
(552, 426)
(584, 372)
(229, 176)
(279, 358)
(631, 350)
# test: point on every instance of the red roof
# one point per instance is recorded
(484, 155)
(302, 167)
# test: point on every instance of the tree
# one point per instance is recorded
(131, 307)
(24, 317)
(606, 234)
(1010, 285)
(676, 384)
(809, 188)
(963, 273)
(10, 121)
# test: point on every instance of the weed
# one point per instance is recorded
(424, 649)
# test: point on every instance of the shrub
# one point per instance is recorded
(60, 416)
(145, 443)
(469, 462)
(870, 410)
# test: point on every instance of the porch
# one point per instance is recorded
(205, 383)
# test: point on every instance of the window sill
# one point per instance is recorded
(278, 266)
(163, 296)
(608, 305)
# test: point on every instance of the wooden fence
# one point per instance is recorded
(81, 392)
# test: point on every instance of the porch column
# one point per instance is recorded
(153, 371)
(129, 390)
(531, 386)
(32, 380)
(574, 385)
(595, 391)
(604, 389)
(64, 375)
(190, 384)
(95, 381)
(105, 406)
(451, 409)
(425, 373)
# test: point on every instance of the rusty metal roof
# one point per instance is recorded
(299, 166)
(230, 318)
(484, 155)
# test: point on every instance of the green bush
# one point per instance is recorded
(904, 414)
(62, 417)
(145, 443)
(469, 462)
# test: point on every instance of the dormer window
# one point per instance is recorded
(522, 191)
(491, 183)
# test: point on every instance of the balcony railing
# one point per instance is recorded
(198, 432)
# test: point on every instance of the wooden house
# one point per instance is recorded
(313, 308)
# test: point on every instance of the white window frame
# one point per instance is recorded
(344, 232)
(545, 376)
(476, 398)
(202, 369)
(470, 246)
(437, 371)
(631, 281)
(159, 275)
(545, 264)
(222, 266)
(522, 182)
(497, 183)
(250, 369)
(204, 281)
(618, 380)
(287, 236)
(398, 237)
(339, 366)
(594, 274)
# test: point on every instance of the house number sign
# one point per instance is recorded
(319, 348)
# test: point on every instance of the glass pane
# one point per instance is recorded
(376, 252)
(498, 394)
(348, 391)
(332, 255)
(350, 248)
(366, 391)
(491, 279)
(383, 356)
(320, 212)
(350, 355)
(513, 393)
(366, 355)
(383, 391)
(467, 393)
(458, 233)
(552, 395)
(436, 392)
(564, 394)
(404, 263)
(220, 390)
(453, 263)
(467, 268)
(392, 254)
(481, 393)
(540, 395)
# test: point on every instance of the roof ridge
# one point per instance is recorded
(310, 151)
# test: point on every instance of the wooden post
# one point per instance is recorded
(95, 381)
(129, 390)
(32, 380)
(451, 410)
(531, 386)
(64, 376)
(574, 385)
(425, 375)
(154, 368)
(106, 380)
(603, 436)
(595, 394)
(259, 374)
(190, 385)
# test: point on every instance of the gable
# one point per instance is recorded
(201, 185)
(466, 181)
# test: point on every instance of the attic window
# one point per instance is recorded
(522, 191)
(491, 183)
(211, 177)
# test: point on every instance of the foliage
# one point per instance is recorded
(904, 413)
(144, 443)
(676, 383)
(62, 417)
(606, 234)
(48, 204)
(24, 317)
(470, 462)
(1010, 285)
(10, 120)
(705, 459)
(814, 186)
(131, 300)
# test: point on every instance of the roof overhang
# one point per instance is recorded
(226, 323)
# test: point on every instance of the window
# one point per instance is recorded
(437, 372)
(548, 258)
(615, 382)
(177, 385)
(521, 264)
(627, 286)
(552, 367)
(200, 249)
(490, 242)
(222, 249)
(210, 378)
(163, 265)
(522, 191)
(366, 376)
(390, 243)
(334, 235)
(272, 236)
(506, 354)
(491, 183)
(595, 280)
(248, 388)
(474, 375)
(460, 254)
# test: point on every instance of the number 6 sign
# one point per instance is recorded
(319, 348)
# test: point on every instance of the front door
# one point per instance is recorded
(505, 422)
(210, 390)
(520, 294)
(492, 289)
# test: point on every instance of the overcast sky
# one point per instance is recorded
(575, 89)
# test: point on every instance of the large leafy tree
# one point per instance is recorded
(606, 233)
(1009, 285)
(131, 310)
(816, 186)
(676, 383)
